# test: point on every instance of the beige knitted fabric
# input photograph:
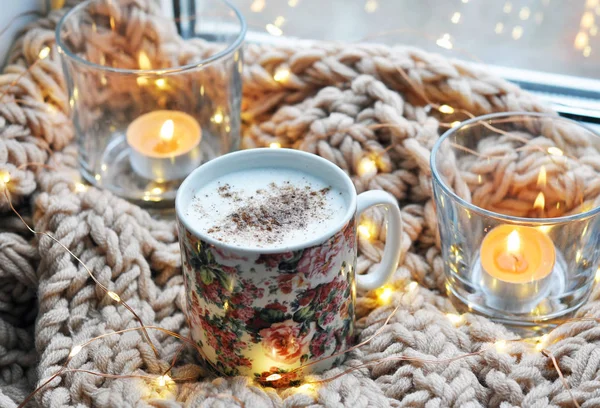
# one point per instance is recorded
(334, 95)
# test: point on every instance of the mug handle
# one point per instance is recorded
(391, 252)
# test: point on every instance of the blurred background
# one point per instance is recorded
(550, 47)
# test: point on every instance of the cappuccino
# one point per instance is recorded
(267, 208)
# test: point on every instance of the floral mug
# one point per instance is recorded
(261, 312)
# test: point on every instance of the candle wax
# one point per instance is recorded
(517, 254)
(165, 145)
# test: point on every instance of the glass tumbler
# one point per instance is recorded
(517, 198)
(155, 90)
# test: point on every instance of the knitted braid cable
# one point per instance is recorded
(334, 95)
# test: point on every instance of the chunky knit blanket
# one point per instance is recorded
(328, 105)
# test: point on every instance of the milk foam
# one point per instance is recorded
(267, 208)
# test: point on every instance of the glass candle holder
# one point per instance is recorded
(517, 198)
(153, 96)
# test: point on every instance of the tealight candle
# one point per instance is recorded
(165, 145)
(517, 262)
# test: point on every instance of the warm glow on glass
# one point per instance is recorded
(275, 145)
(455, 123)
(161, 83)
(218, 117)
(167, 130)
(541, 180)
(540, 201)
(446, 109)
(156, 190)
(364, 230)
(144, 61)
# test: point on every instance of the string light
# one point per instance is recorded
(164, 380)
(4, 178)
(444, 41)
(581, 40)
(507, 7)
(218, 117)
(541, 343)
(555, 151)
(44, 52)
(454, 318)
(366, 229)
(114, 296)
(275, 145)
(80, 188)
(500, 346)
(274, 30)
(446, 109)
(455, 18)
(293, 3)
(367, 167)
(281, 75)
(75, 350)
(455, 123)
(279, 20)
(524, 13)
(371, 6)
(411, 287)
(499, 28)
(385, 294)
(517, 32)
(161, 83)
(587, 51)
(141, 81)
(257, 6)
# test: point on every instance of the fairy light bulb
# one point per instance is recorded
(281, 75)
(275, 145)
(4, 178)
(367, 167)
(366, 229)
(455, 319)
(385, 294)
(44, 52)
(163, 380)
(411, 287)
(114, 296)
(541, 344)
(447, 109)
(500, 346)
(75, 350)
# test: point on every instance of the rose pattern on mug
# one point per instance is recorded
(263, 314)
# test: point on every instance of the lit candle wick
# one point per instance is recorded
(512, 260)
(168, 142)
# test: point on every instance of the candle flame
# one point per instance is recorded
(144, 61)
(541, 181)
(166, 131)
(513, 244)
(540, 201)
